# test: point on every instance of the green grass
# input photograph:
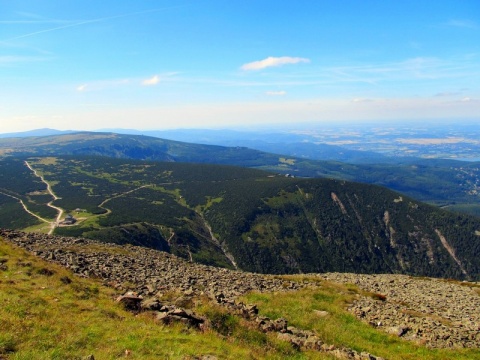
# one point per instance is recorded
(472, 209)
(48, 313)
(340, 327)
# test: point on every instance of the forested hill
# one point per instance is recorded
(236, 217)
(439, 182)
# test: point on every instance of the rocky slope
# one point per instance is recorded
(433, 312)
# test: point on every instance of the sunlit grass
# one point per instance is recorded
(340, 327)
(286, 161)
(48, 313)
(43, 228)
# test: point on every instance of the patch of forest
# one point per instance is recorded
(259, 221)
(440, 182)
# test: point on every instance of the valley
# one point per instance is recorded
(241, 218)
(441, 182)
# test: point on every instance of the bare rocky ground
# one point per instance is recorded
(434, 312)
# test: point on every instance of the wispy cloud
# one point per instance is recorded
(102, 85)
(97, 85)
(273, 62)
(52, 29)
(414, 69)
(31, 18)
(151, 81)
(16, 22)
(447, 94)
(69, 24)
(276, 93)
(361, 100)
(463, 23)
(362, 81)
(8, 60)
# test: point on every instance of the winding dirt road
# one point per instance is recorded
(25, 206)
(60, 211)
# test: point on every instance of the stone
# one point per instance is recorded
(251, 309)
(130, 302)
(321, 313)
(397, 330)
(151, 304)
(179, 312)
(161, 316)
(280, 325)
(410, 302)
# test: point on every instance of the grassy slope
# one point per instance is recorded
(43, 316)
(341, 327)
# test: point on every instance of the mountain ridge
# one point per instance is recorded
(441, 182)
(267, 222)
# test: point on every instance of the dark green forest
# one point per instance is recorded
(439, 182)
(246, 218)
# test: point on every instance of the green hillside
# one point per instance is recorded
(236, 217)
(440, 182)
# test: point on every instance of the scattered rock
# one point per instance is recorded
(435, 312)
(397, 330)
(66, 280)
(3, 264)
(174, 314)
(130, 301)
(151, 304)
(321, 313)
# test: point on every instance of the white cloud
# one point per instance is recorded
(276, 93)
(152, 81)
(81, 87)
(466, 99)
(272, 62)
(360, 100)
(99, 85)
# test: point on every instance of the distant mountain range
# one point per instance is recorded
(442, 182)
(278, 143)
(36, 132)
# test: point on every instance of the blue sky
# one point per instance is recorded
(192, 64)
